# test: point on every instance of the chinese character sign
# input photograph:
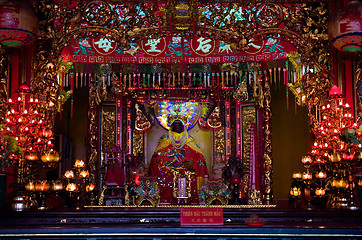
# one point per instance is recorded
(173, 50)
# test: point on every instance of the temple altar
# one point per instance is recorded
(171, 104)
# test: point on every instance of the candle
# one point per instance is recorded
(57, 186)
(321, 175)
(306, 160)
(71, 187)
(90, 187)
(320, 192)
(69, 174)
(295, 192)
(79, 163)
(41, 186)
(30, 186)
(84, 174)
(297, 175)
(307, 176)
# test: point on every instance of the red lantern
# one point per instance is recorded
(18, 23)
(47, 133)
(345, 28)
(335, 92)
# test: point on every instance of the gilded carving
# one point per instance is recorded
(358, 93)
(254, 197)
(97, 94)
(248, 117)
(219, 140)
(108, 130)
(137, 143)
(268, 167)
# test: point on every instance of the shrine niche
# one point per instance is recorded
(221, 56)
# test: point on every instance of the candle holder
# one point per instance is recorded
(29, 122)
(334, 154)
(41, 187)
(78, 184)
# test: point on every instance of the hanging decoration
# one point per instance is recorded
(345, 28)
(141, 121)
(18, 23)
(296, 85)
(241, 94)
(336, 149)
(214, 121)
(172, 50)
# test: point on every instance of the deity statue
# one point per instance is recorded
(177, 151)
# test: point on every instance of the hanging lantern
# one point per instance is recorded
(335, 92)
(18, 23)
(345, 28)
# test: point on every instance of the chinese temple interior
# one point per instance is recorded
(180, 119)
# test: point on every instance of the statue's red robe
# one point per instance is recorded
(185, 156)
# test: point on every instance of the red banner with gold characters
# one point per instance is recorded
(173, 50)
(201, 216)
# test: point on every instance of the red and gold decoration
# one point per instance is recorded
(18, 23)
(26, 121)
(177, 34)
(79, 185)
(345, 27)
(334, 153)
(212, 192)
(146, 190)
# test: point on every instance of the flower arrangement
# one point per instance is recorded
(8, 148)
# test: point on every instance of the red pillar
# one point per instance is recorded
(14, 73)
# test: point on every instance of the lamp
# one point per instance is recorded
(345, 28)
(19, 23)
(41, 187)
(78, 182)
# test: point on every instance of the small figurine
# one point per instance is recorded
(218, 166)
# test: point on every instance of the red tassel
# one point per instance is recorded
(285, 76)
(71, 102)
(279, 76)
(76, 80)
(287, 99)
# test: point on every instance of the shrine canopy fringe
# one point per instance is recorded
(174, 50)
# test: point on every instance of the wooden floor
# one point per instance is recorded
(164, 223)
